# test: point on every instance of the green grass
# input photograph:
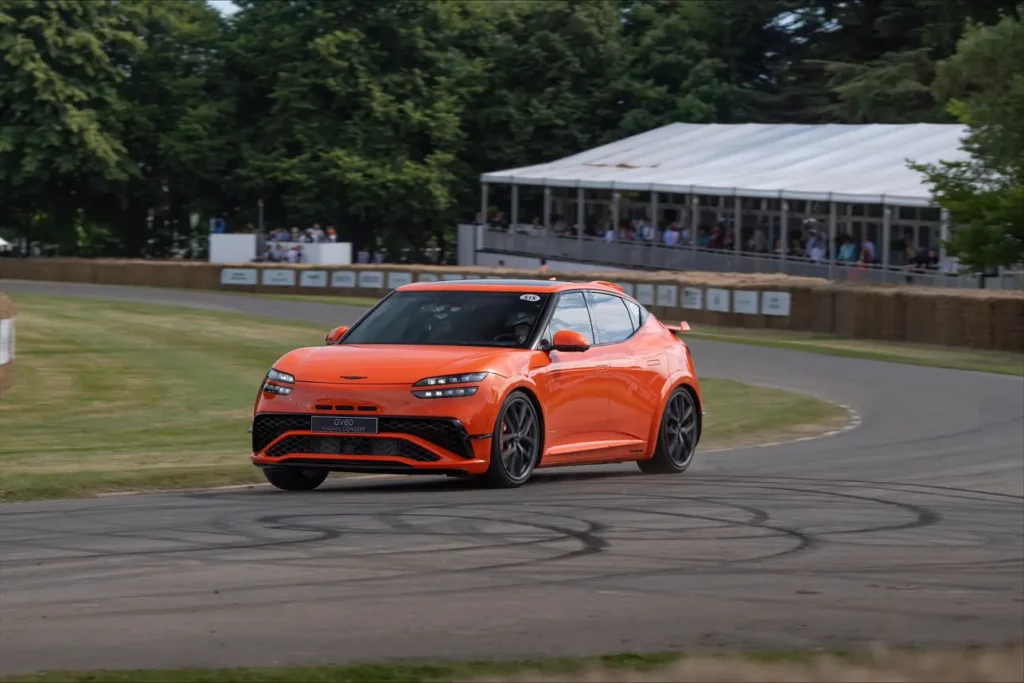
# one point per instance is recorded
(355, 301)
(1004, 363)
(115, 396)
(400, 672)
(897, 664)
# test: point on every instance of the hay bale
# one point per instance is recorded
(1007, 316)
(8, 311)
(921, 317)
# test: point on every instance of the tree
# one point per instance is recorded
(60, 109)
(884, 66)
(350, 112)
(984, 81)
(176, 124)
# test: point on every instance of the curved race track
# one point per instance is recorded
(907, 529)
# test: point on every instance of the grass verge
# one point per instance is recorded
(116, 396)
(988, 666)
(1003, 363)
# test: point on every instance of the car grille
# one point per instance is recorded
(448, 434)
(351, 445)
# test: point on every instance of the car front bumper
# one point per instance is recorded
(409, 435)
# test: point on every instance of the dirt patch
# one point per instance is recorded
(999, 666)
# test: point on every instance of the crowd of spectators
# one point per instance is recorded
(281, 245)
(809, 242)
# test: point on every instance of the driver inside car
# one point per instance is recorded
(519, 325)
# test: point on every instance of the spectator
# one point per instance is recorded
(848, 251)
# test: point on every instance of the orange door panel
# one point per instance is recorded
(574, 390)
(574, 384)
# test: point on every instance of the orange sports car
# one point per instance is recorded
(482, 378)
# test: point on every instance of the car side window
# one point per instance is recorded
(571, 314)
(636, 315)
(612, 321)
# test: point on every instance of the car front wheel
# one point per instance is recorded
(515, 443)
(294, 478)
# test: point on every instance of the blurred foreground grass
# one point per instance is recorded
(996, 665)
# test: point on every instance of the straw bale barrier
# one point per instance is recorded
(981, 319)
(8, 311)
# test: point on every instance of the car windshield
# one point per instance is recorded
(452, 318)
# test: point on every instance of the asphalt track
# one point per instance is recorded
(908, 529)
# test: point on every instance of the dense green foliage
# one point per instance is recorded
(120, 119)
(984, 81)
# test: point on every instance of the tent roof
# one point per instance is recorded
(845, 163)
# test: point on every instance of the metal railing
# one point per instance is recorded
(654, 256)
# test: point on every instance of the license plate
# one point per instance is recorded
(344, 425)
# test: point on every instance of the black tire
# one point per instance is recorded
(518, 430)
(678, 435)
(295, 478)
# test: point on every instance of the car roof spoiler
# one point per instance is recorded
(678, 329)
(608, 284)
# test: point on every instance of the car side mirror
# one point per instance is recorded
(335, 335)
(569, 341)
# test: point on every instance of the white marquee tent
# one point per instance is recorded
(863, 164)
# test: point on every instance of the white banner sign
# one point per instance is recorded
(668, 296)
(645, 294)
(343, 279)
(371, 279)
(718, 300)
(428, 277)
(693, 297)
(396, 280)
(276, 277)
(313, 278)
(775, 303)
(744, 302)
(238, 276)
(5, 344)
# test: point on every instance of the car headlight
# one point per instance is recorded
(452, 379)
(278, 376)
(450, 392)
(441, 388)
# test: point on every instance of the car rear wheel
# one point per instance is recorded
(677, 437)
(515, 443)
(294, 478)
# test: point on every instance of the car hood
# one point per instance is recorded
(373, 364)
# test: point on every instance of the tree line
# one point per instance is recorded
(119, 119)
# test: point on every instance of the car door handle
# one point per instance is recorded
(602, 367)
(654, 361)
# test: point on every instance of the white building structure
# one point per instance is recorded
(745, 179)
